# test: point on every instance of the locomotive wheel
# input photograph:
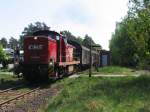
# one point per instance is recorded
(57, 75)
(27, 77)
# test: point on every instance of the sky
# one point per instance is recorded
(97, 18)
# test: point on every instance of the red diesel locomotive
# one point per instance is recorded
(47, 55)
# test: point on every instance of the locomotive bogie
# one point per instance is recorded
(35, 72)
(70, 69)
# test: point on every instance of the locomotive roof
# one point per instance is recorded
(45, 33)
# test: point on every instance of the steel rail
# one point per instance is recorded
(6, 90)
(19, 96)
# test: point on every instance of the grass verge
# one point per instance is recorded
(6, 75)
(97, 94)
(116, 70)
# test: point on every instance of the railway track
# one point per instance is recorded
(12, 88)
(4, 104)
(30, 100)
(15, 97)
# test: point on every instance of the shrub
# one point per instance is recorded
(3, 57)
(145, 62)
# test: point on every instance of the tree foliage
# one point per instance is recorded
(79, 40)
(31, 28)
(4, 42)
(83, 41)
(68, 35)
(2, 54)
(130, 43)
(71, 37)
(13, 43)
(87, 41)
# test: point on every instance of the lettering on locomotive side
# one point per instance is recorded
(35, 47)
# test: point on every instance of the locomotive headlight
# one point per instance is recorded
(35, 38)
(51, 62)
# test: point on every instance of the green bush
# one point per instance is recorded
(145, 63)
(3, 57)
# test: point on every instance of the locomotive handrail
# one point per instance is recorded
(72, 58)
